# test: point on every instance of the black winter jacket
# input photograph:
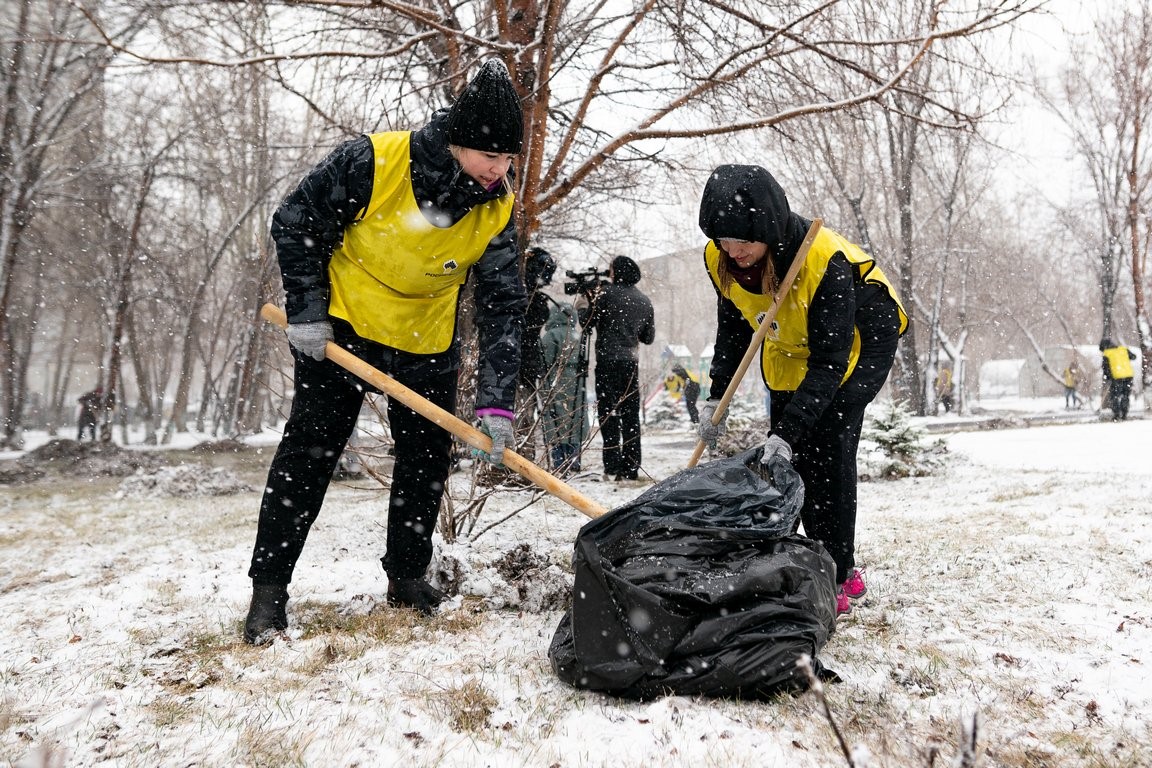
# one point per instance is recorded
(310, 223)
(746, 203)
(623, 319)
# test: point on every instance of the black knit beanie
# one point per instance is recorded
(625, 271)
(487, 115)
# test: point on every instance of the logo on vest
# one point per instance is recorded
(449, 268)
(774, 327)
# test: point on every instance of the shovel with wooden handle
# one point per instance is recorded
(442, 418)
(761, 332)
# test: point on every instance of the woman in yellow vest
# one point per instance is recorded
(1116, 365)
(827, 355)
(374, 246)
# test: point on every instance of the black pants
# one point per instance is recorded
(618, 408)
(1119, 392)
(324, 412)
(825, 458)
(691, 395)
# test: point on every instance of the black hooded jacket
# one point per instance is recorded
(744, 202)
(623, 318)
(310, 224)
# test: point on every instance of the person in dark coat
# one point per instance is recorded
(539, 267)
(687, 386)
(828, 353)
(623, 319)
(89, 407)
(1116, 367)
(565, 417)
(374, 246)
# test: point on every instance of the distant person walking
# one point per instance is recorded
(944, 389)
(683, 385)
(1073, 377)
(1116, 366)
(89, 407)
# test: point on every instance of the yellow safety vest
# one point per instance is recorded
(396, 277)
(1119, 362)
(784, 354)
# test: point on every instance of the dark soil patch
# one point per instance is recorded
(86, 460)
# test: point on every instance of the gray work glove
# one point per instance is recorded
(310, 338)
(499, 428)
(710, 432)
(776, 445)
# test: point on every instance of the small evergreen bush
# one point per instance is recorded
(892, 446)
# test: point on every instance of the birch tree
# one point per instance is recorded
(903, 175)
(606, 86)
(49, 101)
(615, 96)
(1105, 99)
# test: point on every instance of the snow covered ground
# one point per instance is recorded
(1012, 586)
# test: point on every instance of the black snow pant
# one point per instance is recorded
(1119, 392)
(618, 408)
(825, 458)
(323, 416)
(691, 395)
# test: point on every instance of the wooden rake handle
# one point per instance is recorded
(761, 332)
(442, 418)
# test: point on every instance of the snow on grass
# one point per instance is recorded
(1012, 585)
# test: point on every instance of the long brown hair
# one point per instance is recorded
(769, 282)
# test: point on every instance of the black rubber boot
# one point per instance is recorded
(267, 615)
(416, 594)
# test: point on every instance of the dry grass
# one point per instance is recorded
(268, 747)
(913, 655)
(467, 706)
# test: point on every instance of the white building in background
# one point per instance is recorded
(1025, 377)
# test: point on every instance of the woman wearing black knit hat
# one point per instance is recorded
(828, 353)
(374, 246)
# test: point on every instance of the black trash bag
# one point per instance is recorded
(699, 587)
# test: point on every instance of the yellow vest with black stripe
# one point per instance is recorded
(784, 354)
(1119, 363)
(396, 277)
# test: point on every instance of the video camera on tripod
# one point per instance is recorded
(585, 282)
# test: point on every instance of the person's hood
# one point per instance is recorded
(745, 202)
(562, 316)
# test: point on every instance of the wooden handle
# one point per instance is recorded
(437, 415)
(761, 332)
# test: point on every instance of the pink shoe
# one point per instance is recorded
(854, 586)
(843, 604)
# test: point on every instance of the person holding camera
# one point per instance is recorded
(622, 318)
